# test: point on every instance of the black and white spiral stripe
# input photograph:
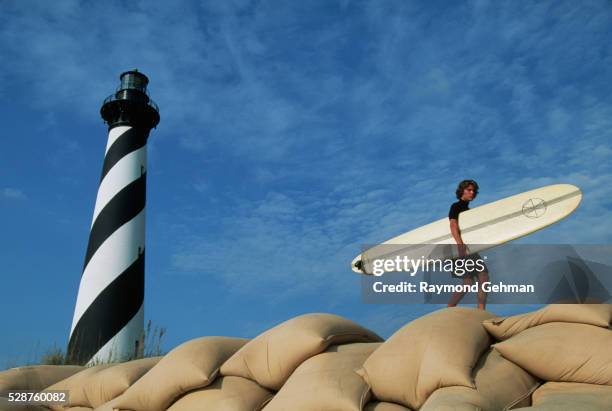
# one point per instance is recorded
(108, 318)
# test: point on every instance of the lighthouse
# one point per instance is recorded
(108, 321)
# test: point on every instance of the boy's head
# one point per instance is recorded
(467, 190)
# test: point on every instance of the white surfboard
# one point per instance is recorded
(486, 226)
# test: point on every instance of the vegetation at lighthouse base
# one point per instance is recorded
(152, 337)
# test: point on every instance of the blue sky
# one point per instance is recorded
(291, 133)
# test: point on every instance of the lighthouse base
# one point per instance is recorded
(125, 345)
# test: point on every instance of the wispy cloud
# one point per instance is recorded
(12, 193)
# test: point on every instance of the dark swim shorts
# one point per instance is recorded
(474, 267)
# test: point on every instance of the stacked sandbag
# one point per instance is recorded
(568, 352)
(384, 406)
(271, 357)
(556, 358)
(456, 398)
(437, 350)
(327, 381)
(112, 382)
(568, 345)
(504, 384)
(5, 405)
(502, 328)
(499, 385)
(225, 394)
(99, 384)
(568, 396)
(250, 372)
(74, 386)
(34, 377)
(192, 365)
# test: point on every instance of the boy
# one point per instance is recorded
(467, 190)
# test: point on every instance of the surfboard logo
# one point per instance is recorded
(534, 208)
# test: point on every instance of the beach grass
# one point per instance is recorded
(152, 336)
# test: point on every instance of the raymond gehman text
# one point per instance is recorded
(425, 287)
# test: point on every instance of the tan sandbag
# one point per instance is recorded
(96, 385)
(327, 381)
(456, 399)
(500, 385)
(567, 352)
(502, 328)
(581, 396)
(571, 396)
(111, 382)
(193, 364)
(270, 358)
(436, 350)
(504, 384)
(384, 406)
(34, 377)
(225, 394)
(74, 385)
(5, 405)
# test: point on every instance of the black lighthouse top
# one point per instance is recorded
(130, 105)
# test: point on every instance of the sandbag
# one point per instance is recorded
(34, 377)
(456, 399)
(271, 357)
(436, 350)
(566, 352)
(384, 406)
(225, 394)
(5, 405)
(327, 381)
(97, 385)
(74, 385)
(504, 384)
(500, 385)
(569, 396)
(193, 364)
(109, 383)
(502, 328)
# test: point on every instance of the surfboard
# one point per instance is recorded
(485, 226)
